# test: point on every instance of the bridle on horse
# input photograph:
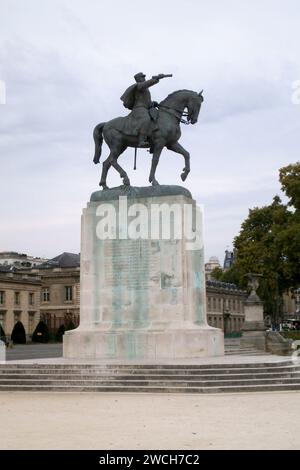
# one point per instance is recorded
(181, 114)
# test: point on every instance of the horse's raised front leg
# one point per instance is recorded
(155, 159)
(176, 147)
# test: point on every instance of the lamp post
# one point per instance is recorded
(226, 316)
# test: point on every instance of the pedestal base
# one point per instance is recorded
(143, 344)
(254, 335)
(142, 278)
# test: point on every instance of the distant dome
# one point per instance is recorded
(214, 259)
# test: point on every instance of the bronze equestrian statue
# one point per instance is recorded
(149, 125)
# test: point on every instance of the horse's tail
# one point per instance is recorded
(98, 138)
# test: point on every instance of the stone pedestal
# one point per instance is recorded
(254, 327)
(142, 282)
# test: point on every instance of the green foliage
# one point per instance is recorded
(2, 333)
(269, 244)
(233, 334)
(18, 335)
(59, 334)
(289, 177)
(217, 274)
(41, 333)
(294, 335)
(231, 275)
(70, 326)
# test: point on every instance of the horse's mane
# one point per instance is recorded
(175, 93)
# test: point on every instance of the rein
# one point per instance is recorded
(181, 114)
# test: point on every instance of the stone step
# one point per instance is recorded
(190, 377)
(244, 353)
(149, 383)
(148, 389)
(154, 371)
(133, 366)
(172, 378)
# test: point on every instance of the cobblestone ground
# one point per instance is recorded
(146, 421)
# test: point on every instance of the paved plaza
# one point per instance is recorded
(146, 421)
(33, 351)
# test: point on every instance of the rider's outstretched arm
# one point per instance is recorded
(147, 83)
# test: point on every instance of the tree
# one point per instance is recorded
(60, 332)
(41, 333)
(18, 334)
(231, 275)
(217, 273)
(289, 177)
(70, 326)
(2, 333)
(269, 243)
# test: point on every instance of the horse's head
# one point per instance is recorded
(185, 100)
(193, 106)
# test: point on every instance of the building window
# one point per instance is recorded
(233, 305)
(17, 298)
(220, 305)
(2, 297)
(45, 295)
(214, 303)
(68, 293)
(31, 298)
(229, 304)
(209, 303)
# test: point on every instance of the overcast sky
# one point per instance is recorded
(66, 63)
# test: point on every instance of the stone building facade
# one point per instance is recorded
(19, 300)
(20, 260)
(60, 289)
(225, 306)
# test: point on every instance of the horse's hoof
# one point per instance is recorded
(104, 186)
(155, 183)
(96, 160)
(184, 175)
(126, 181)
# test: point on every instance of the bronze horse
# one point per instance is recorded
(166, 134)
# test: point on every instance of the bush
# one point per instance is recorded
(18, 335)
(233, 334)
(2, 333)
(60, 333)
(41, 333)
(70, 326)
(294, 335)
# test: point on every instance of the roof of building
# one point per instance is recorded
(64, 260)
(221, 285)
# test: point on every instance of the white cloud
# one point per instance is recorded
(65, 64)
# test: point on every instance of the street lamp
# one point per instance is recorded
(226, 316)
